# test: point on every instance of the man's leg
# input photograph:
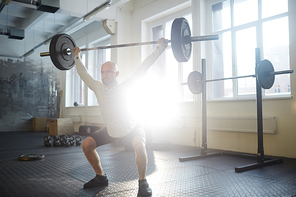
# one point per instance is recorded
(89, 146)
(89, 149)
(139, 143)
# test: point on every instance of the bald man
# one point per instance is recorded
(120, 124)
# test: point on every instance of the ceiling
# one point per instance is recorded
(27, 25)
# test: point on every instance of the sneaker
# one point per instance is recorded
(99, 180)
(144, 189)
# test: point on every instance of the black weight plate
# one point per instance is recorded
(194, 82)
(31, 157)
(58, 51)
(181, 39)
(266, 80)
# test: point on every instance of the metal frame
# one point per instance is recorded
(261, 160)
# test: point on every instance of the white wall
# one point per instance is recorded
(131, 19)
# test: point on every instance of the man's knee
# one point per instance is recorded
(88, 145)
(139, 143)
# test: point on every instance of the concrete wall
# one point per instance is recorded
(28, 88)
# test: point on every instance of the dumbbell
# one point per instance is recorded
(71, 140)
(47, 141)
(78, 140)
(63, 138)
(57, 141)
(68, 143)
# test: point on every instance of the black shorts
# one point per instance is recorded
(102, 137)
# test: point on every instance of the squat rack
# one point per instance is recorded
(261, 160)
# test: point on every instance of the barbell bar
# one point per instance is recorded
(265, 75)
(192, 39)
(61, 45)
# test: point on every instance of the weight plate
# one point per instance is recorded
(181, 39)
(194, 82)
(266, 80)
(31, 157)
(58, 51)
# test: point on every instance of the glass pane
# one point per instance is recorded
(77, 88)
(158, 69)
(245, 59)
(186, 70)
(171, 75)
(68, 95)
(221, 15)
(276, 49)
(157, 32)
(186, 93)
(245, 11)
(222, 66)
(273, 7)
(189, 20)
(108, 54)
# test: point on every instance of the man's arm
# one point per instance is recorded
(82, 71)
(149, 61)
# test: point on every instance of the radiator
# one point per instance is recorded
(86, 119)
(243, 124)
(76, 118)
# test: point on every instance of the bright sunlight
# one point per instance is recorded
(152, 102)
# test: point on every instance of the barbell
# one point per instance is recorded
(265, 74)
(61, 45)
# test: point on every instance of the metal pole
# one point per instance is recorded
(204, 148)
(192, 39)
(204, 38)
(282, 72)
(237, 77)
(120, 45)
(260, 151)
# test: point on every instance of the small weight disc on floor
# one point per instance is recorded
(61, 58)
(266, 80)
(31, 157)
(194, 82)
(181, 39)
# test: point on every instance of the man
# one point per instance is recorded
(120, 124)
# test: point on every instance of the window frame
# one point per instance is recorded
(162, 21)
(259, 41)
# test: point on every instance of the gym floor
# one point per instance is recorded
(64, 170)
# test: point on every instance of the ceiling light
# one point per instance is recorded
(97, 10)
(3, 3)
(28, 53)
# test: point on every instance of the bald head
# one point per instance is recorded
(110, 65)
(109, 72)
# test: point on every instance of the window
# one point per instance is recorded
(167, 70)
(244, 25)
(74, 86)
(155, 98)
